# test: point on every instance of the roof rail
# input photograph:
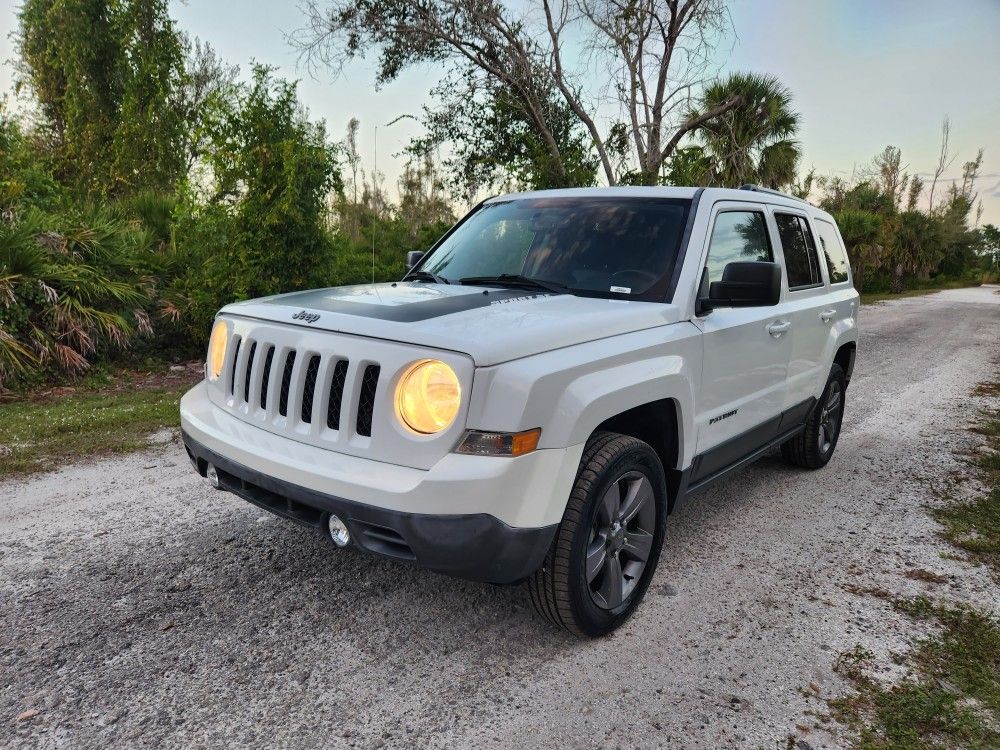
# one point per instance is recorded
(769, 191)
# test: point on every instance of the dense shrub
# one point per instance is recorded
(69, 290)
(273, 171)
(894, 244)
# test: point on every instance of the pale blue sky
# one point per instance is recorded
(864, 73)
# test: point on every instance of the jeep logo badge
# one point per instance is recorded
(308, 317)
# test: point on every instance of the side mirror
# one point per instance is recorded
(412, 258)
(744, 284)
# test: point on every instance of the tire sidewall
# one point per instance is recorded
(836, 376)
(594, 619)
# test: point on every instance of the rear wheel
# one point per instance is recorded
(813, 447)
(608, 544)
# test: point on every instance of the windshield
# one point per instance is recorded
(601, 245)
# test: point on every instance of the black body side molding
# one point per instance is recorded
(741, 450)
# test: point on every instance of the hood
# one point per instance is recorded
(490, 324)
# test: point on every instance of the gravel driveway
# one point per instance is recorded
(138, 607)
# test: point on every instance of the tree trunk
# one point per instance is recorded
(897, 285)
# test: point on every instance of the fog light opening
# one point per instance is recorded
(338, 531)
(212, 475)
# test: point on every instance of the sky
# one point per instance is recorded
(864, 74)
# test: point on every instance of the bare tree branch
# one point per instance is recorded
(656, 52)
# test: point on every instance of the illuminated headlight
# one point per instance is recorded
(428, 396)
(478, 443)
(217, 350)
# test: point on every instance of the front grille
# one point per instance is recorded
(286, 382)
(256, 363)
(366, 405)
(336, 394)
(246, 386)
(236, 356)
(308, 389)
(266, 378)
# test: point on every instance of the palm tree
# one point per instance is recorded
(754, 142)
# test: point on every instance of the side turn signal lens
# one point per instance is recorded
(476, 443)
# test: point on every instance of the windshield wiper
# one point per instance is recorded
(516, 280)
(426, 276)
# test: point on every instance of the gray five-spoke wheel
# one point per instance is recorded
(621, 539)
(829, 420)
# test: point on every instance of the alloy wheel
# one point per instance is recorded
(621, 540)
(829, 418)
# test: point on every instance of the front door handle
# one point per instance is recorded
(779, 327)
(827, 315)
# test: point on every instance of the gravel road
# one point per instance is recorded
(140, 608)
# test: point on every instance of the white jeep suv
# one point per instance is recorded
(534, 397)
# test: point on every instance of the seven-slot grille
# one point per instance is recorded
(299, 396)
(329, 390)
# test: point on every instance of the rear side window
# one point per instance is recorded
(737, 236)
(801, 261)
(836, 258)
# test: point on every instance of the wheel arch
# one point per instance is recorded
(845, 358)
(657, 424)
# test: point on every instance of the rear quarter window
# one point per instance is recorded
(836, 257)
(801, 261)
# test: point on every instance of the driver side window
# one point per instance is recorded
(737, 236)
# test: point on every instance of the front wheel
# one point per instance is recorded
(608, 544)
(813, 447)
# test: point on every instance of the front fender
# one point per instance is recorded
(569, 392)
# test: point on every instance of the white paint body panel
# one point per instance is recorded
(500, 332)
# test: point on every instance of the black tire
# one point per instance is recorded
(562, 589)
(813, 447)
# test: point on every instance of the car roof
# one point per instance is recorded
(711, 195)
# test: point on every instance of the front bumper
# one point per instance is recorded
(474, 546)
(481, 518)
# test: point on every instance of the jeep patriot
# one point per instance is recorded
(534, 397)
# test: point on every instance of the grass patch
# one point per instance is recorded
(45, 433)
(974, 525)
(952, 697)
(871, 298)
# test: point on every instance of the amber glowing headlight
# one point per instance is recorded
(217, 350)
(428, 396)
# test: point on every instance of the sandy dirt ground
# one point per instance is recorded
(140, 608)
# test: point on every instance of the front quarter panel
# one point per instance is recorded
(569, 392)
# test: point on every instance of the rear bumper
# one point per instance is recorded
(476, 546)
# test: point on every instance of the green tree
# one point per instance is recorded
(25, 177)
(690, 165)
(860, 211)
(104, 73)
(492, 143)
(917, 247)
(990, 244)
(273, 171)
(751, 142)
(149, 132)
(654, 52)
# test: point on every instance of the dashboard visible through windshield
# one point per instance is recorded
(600, 246)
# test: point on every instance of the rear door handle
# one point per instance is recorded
(779, 327)
(827, 315)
